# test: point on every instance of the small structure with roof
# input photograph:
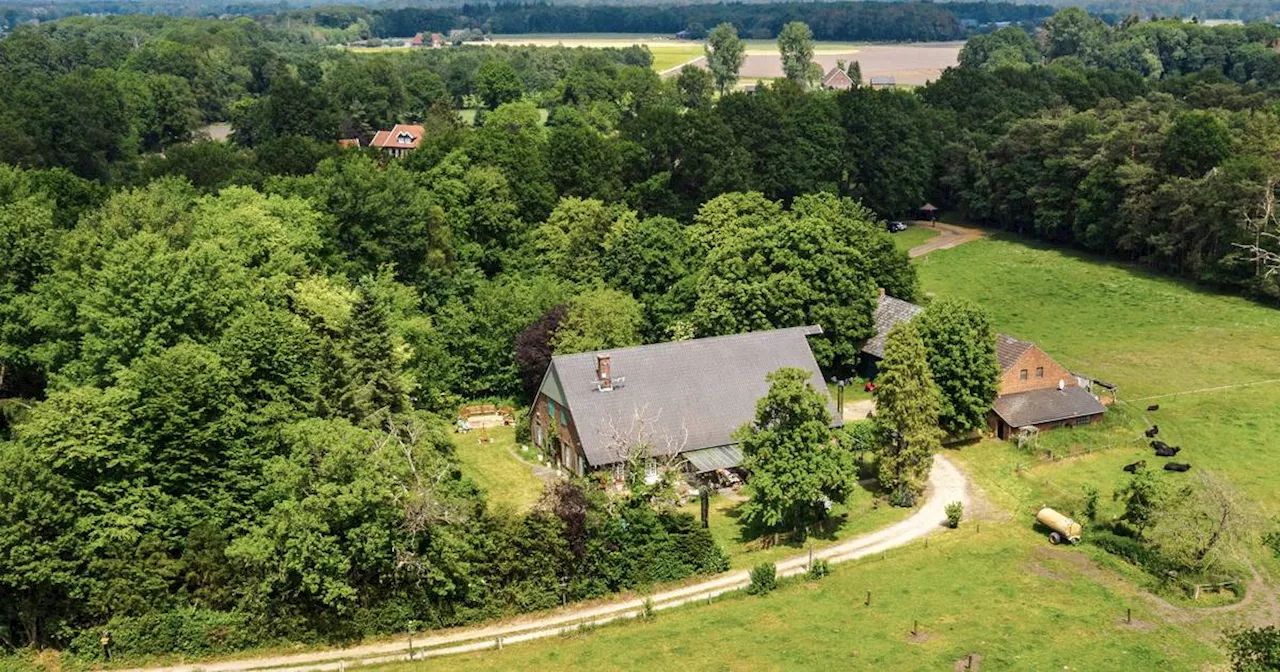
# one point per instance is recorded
(399, 140)
(1035, 391)
(882, 82)
(679, 400)
(837, 79)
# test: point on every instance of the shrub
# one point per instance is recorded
(1134, 551)
(1090, 508)
(764, 579)
(646, 609)
(819, 569)
(1272, 541)
(902, 497)
(1254, 649)
(188, 632)
(954, 511)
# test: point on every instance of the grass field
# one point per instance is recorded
(505, 478)
(1003, 592)
(913, 236)
(667, 57)
(860, 514)
(997, 593)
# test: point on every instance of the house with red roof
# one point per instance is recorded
(398, 140)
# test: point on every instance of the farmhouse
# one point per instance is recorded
(837, 79)
(1035, 391)
(399, 140)
(682, 399)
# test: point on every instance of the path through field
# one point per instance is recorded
(946, 484)
(948, 237)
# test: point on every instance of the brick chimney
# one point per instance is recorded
(603, 378)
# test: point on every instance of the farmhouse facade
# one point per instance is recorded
(837, 79)
(1035, 391)
(683, 400)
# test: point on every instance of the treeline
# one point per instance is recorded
(878, 21)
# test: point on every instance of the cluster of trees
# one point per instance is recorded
(881, 21)
(220, 404)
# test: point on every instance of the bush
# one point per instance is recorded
(902, 497)
(1134, 551)
(1254, 649)
(187, 632)
(1090, 508)
(764, 579)
(954, 511)
(819, 569)
(1272, 541)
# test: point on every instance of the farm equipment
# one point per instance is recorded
(1061, 527)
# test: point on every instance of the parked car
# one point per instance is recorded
(895, 227)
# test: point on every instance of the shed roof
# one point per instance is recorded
(1040, 406)
(690, 395)
(889, 311)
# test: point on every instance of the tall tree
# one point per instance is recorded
(797, 468)
(597, 320)
(497, 83)
(725, 55)
(907, 403)
(795, 43)
(961, 350)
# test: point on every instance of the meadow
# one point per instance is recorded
(507, 480)
(995, 587)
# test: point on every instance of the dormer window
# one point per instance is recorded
(404, 138)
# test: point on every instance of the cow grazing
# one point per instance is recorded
(1167, 451)
(1177, 466)
(1155, 429)
(1153, 407)
(1133, 468)
(1159, 445)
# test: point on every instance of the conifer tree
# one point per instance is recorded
(907, 402)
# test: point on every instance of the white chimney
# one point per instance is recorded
(604, 381)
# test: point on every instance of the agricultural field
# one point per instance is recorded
(995, 587)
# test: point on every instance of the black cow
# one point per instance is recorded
(1153, 407)
(1155, 429)
(1159, 445)
(1133, 468)
(1167, 451)
(1177, 466)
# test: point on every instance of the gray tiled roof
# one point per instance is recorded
(1041, 406)
(1009, 349)
(692, 394)
(889, 312)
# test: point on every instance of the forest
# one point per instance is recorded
(227, 369)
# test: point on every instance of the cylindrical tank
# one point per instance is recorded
(1064, 529)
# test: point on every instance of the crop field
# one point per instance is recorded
(995, 588)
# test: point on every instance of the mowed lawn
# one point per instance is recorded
(997, 592)
(667, 57)
(506, 479)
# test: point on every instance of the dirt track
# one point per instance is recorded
(946, 484)
(949, 236)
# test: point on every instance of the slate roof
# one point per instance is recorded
(692, 394)
(1040, 406)
(1009, 349)
(889, 311)
(883, 80)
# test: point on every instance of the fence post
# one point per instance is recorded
(1128, 615)
(868, 598)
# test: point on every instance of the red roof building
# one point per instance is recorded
(398, 140)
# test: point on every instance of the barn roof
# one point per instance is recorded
(692, 395)
(1010, 349)
(1041, 406)
(889, 311)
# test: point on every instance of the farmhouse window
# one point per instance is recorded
(538, 436)
(1022, 375)
(1039, 372)
(1083, 421)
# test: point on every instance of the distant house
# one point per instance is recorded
(837, 79)
(683, 399)
(1035, 391)
(883, 82)
(399, 140)
(349, 142)
(434, 41)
